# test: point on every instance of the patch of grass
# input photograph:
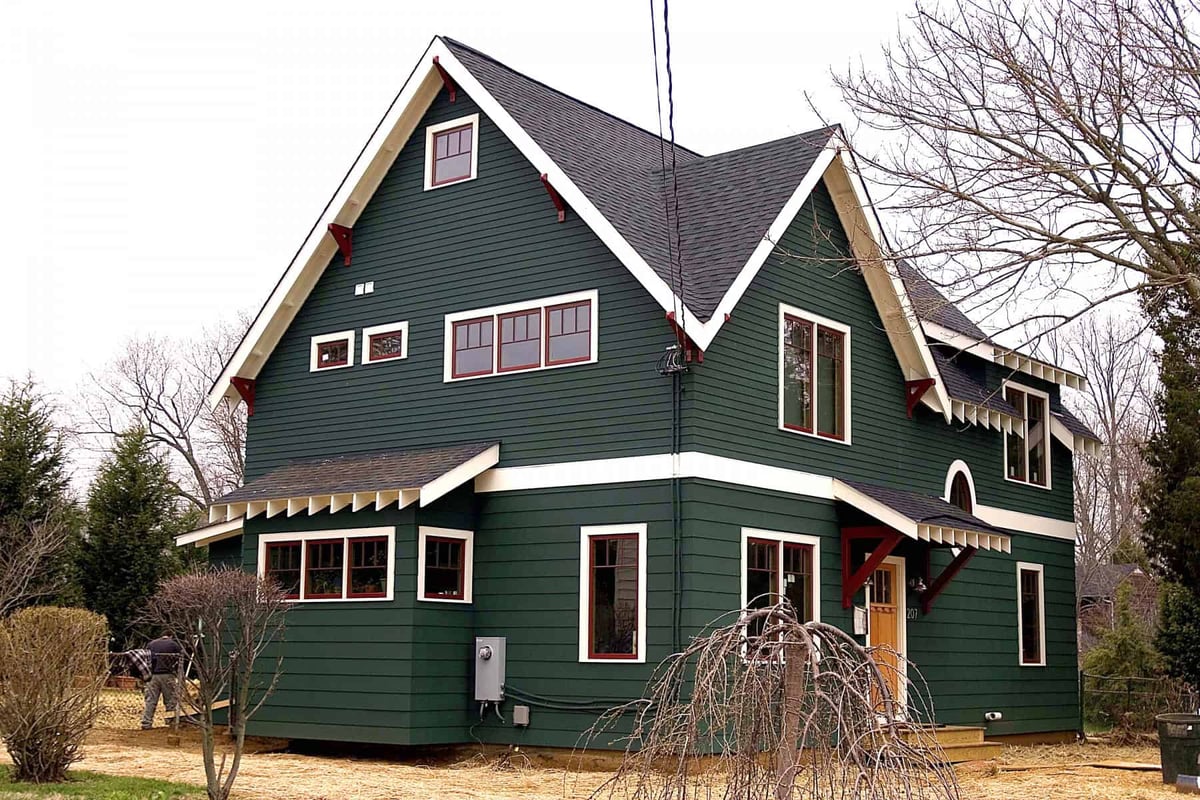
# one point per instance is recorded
(94, 786)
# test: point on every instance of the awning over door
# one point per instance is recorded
(374, 480)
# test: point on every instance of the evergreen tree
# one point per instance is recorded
(1179, 633)
(33, 461)
(132, 515)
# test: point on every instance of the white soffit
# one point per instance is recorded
(211, 533)
(1005, 357)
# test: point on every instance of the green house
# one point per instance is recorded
(537, 375)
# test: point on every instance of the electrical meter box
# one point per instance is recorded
(489, 669)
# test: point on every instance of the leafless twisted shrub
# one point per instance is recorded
(53, 663)
(224, 619)
(797, 710)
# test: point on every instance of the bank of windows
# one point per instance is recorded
(814, 376)
(1031, 615)
(1027, 456)
(540, 334)
(451, 152)
(613, 593)
(445, 565)
(777, 567)
(329, 565)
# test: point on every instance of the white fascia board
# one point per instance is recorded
(769, 243)
(456, 477)
(1013, 359)
(884, 513)
(211, 533)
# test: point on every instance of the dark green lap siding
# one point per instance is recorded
(489, 241)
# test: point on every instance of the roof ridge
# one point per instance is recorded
(572, 98)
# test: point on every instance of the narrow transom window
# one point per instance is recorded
(368, 567)
(613, 615)
(521, 340)
(540, 334)
(1031, 614)
(385, 342)
(814, 376)
(331, 351)
(451, 151)
(283, 564)
(444, 565)
(1027, 452)
(323, 574)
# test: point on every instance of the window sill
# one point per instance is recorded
(380, 599)
(1046, 488)
(811, 435)
(461, 602)
(517, 371)
(432, 186)
(614, 660)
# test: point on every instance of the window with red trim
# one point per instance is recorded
(445, 568)
(797, 374)
(569, 333)
(776, 570)
(452, 154)
(960, 493)
(521, 340)
(473, 347)
(283, 564)
(814, 372)
(323, 569)
(333, 354)
(368, 567)
(382, 346)
(613, 596)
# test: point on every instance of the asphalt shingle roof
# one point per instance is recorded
(961, 386)
(1073, 423)
(726, 202)
(923, 508)
(370, 472)
(930, 304)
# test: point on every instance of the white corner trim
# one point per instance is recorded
(591, 296)
(1023, 566)
(375, 330)
(585, 534)
(781, 536)
(1048, 421)
(325, 338)
(211, 533)
(433, 130)
(456, 477)
(345, 534)
(786, 311)
(468, 539)
(957, 466)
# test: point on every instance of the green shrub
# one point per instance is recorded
(1125, 652)
(1179, 634)
(53, 664)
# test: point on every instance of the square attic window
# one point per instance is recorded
(451, 152)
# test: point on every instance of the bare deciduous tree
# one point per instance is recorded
(1043, 150)
(224, 619)
(25, 575)
(768, 707)
(163, 385)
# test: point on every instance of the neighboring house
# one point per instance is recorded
(469, 418)
(1098, 600)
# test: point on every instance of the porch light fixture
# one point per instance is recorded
(917, 584)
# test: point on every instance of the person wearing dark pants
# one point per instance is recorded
(164, 675)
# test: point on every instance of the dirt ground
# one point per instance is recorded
(287, 776)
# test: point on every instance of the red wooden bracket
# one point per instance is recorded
(941, 581)
(914, 391)
(446, 79)
(345, 240)
(555, 197)
(245, 387)
(685, 341)
(852, 582)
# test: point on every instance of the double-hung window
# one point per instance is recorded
(330, 565)
(519, 337)
(612, 593)
(1027, 453)
(451, 152)
(1031, 614)
(778, 566)
(814, 375)
(445, 561)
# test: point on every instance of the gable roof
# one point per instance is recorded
(733, 207)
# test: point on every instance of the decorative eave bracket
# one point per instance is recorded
(947, 575)
(686, 344)
(853, 580)
(245, 387)
(345, 240)
(555, 197)
(446, 79)
(913, 392)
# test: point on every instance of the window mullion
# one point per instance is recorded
(303, 569)
(345, 568)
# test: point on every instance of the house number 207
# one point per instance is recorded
(910, 613)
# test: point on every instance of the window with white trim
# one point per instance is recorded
(385, 342)
(1027, 453)
(451, 152)
(519, 337)
(777, 566)
(612, 593)
(1031, 614)
(331, 351)
(338, 566)
(814, 375)
(445, 565)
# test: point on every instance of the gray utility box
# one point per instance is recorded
(489, 669)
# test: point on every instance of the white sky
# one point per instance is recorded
(160, 163)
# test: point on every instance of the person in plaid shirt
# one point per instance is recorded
(165, 661)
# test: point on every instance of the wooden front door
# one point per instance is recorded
(885, 624)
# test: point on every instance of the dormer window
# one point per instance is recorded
(1027, 456)
(331, 351)
(451, 152)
